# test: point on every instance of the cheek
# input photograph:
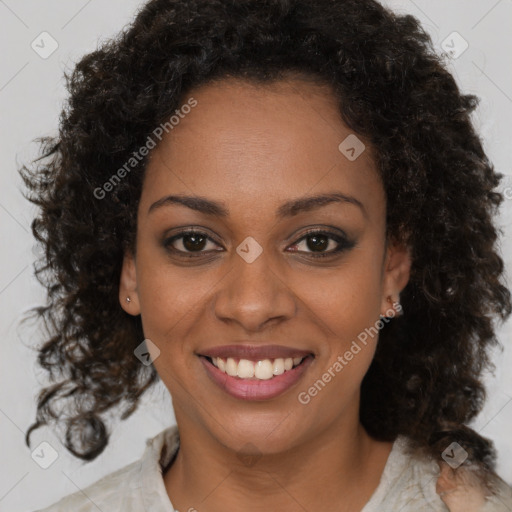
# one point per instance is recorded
(345, 304)
(171, 309)
(348, 299)
(172, 300)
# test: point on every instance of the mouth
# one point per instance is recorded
(256, 379)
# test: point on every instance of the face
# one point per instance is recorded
(258, 271)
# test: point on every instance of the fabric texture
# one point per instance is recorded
(408, 484)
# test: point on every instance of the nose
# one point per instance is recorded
(254, 295)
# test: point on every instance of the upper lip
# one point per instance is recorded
(254, 352)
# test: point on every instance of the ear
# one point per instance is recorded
(128, 286)
(396, 273)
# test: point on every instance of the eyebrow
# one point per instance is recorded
(287, 209)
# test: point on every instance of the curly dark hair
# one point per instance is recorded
(393, 90)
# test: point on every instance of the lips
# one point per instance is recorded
(219, 363)
(253, 388)
(254, 352)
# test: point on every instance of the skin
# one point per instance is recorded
(254, 148)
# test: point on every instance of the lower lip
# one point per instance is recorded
(255, 389)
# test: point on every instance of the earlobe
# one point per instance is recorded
(128, 295)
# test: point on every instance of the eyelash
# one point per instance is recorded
(343, 243)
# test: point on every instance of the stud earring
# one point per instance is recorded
(128, 299)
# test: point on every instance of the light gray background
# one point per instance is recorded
(31, 95)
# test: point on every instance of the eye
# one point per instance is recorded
(188, 242)
(315, 243)
(318, 241)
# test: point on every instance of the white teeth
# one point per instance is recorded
(231, 367)
(278, 366)
(245, 369)
(264, 370)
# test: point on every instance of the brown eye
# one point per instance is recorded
(316, 243)
(194, 242)
(188, 242)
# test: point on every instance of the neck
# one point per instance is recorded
(337, 469)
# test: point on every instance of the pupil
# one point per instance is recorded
(194, 245)
(316, 244)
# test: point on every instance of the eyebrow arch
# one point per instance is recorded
(287, 209)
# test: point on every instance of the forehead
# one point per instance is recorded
(243, 142)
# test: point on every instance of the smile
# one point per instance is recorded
(255, 380)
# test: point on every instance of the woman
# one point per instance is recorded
(281, 210)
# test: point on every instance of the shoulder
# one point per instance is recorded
(463, 491)
(136, 486)
(106, 493)
(414, 481)
(408, 482)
